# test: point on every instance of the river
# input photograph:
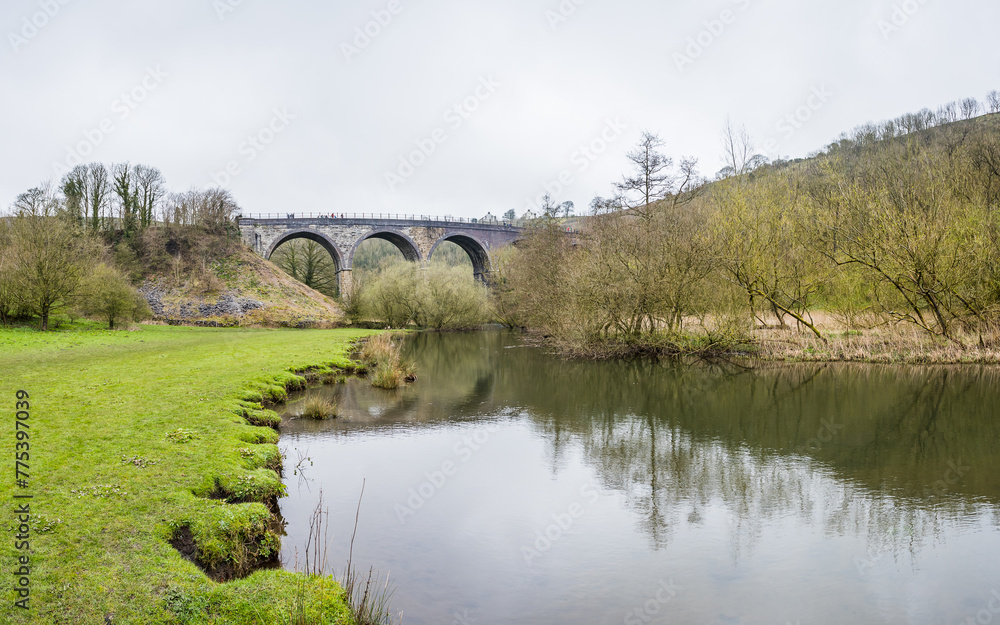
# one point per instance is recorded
(507, 486)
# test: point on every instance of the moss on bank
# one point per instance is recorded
(143, 439)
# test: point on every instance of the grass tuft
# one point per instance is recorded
(382, 357)
(384, 376)
(262, 457)
(319, 408)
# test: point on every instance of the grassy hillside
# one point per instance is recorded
(239, 289)
(194, 276)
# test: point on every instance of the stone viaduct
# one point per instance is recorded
(415, 237)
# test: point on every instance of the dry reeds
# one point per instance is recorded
(367, 596)
(885, 343)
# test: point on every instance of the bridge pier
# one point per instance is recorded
(346, 281)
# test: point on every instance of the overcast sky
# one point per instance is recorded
(449, 107)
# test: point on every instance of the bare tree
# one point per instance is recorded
(550, 210)
(123, 178)
(177, 209)
(601, 205)
(928, 118)
(890, 129)
(36, 202)
(737, 147)
(215, 208)
(913, 122)
(868, 133)
(948, 113)
(689, 181)
(993, 101)
(738, 151)
(149, 190)
(970, 108)
(652, 180)
(210, 208)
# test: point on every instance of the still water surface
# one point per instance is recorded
(507, 486)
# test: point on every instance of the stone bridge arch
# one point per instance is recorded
(406, 246)
(471, 245)
(312, 235)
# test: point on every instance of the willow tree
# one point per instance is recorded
(913, 217)
(766, 248)
(645, 271)
(503, 296)
(8, 288)
(543, 282)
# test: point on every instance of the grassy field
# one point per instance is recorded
(135, 440)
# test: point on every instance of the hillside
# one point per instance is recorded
(236, 288)
(880, 248)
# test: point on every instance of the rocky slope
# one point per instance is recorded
(240, 289)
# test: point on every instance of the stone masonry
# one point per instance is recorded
(416, 240)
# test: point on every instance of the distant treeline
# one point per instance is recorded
(925, 119)
(126, 198)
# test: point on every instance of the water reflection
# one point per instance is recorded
(832, 478)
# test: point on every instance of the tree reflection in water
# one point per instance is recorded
(888, 453)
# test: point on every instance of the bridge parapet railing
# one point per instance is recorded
(332, 217)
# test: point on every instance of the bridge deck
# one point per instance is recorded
(383, 219)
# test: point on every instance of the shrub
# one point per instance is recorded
(390, 298)
(449, 298)
(106, 293)
(439, 297)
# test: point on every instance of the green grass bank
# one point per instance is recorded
(140, 438)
